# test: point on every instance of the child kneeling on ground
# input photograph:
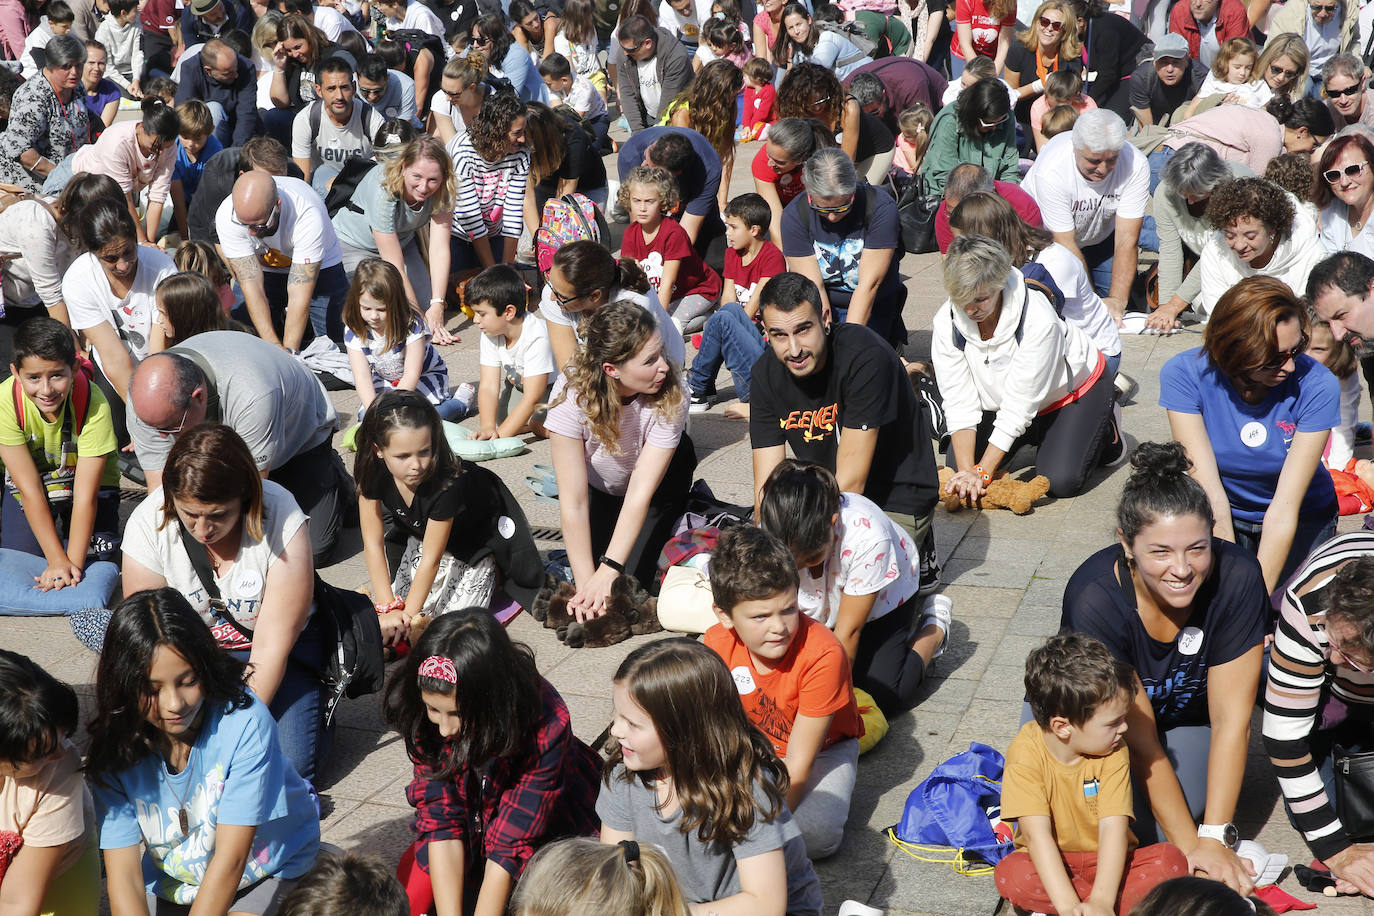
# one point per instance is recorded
(1067, 785)
(514, 356)
(793, 679)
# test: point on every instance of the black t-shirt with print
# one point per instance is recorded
(862, 386)
(467, 499)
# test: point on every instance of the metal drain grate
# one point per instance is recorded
(547, 534)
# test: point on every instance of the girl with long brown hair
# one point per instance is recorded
(707, 106)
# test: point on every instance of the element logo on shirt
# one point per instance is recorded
(840, 263)
(816, 424)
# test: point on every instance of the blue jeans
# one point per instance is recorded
(1310, 534)
(1158, 159)
(223, 130)
(298, 705)
(1188, 748)
(1101, 257)
(326, 307)
(58, 178)
(729, 337)
(20, 596)
(322, 176)
(276, 123)
(15, 533)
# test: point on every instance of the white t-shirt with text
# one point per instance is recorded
(1069, 202)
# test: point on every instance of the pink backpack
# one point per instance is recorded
(570, 218)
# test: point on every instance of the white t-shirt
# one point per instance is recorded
(1068, 201)
(530, 355)
(673, 345)
(305, 235)
(90, 302)
(334, 144)
(332, 22)
(1208, 46)
(870, 554)
(583, 58)
(650, 90)
(584, 99)
(242, 584)
(686, 28)
(1082, 305)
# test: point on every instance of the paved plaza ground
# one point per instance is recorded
(1005, 575)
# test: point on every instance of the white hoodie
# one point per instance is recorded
(1293, 260)
(1014, 379)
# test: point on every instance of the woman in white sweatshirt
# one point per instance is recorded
(1011, 372)
(1260, 233)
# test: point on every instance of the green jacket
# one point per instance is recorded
(949, 148)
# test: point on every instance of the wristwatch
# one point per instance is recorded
(1226, 834)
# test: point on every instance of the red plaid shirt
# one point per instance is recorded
(505, 811)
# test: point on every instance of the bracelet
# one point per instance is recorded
(983, 475)
(436, 302)
(395, 604)
(607, 561)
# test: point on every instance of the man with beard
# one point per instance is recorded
(333, 127)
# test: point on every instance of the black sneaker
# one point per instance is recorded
(700, 403)
(1114, 449)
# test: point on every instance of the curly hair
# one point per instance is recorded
(1258, 198)
(491, 126)
(417, 150)
(710, 101)
(1294, 173)
(807, 85)
(614, 334)
(651, 176)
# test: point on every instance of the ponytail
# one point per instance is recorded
(160, 119)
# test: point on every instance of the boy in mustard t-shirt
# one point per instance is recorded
(56, 437)
(793, 677)
(1067, 785)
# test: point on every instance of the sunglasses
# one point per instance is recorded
(824, 210)
(1349, 90)
(1320, 8)
(256, 228)
(819, 102)
(479, 42)
(1280, 71)
(1051, 25)
(989, 125)
(1350, 171)
(1278, 362)
(179, 427)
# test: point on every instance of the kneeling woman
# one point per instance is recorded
(1187, 610)
(1254, 414)
(1012, 373)
(184, 761)
(622, 457)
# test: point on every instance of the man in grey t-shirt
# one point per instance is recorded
(270, 398)
(338, 125)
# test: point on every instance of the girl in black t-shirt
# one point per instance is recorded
(1187, 611)
(459, 527)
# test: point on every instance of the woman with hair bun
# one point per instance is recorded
(1187, 610)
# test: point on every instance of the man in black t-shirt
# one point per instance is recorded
(838, 395)
(1159, 87)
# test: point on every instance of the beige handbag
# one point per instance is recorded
(684, 601)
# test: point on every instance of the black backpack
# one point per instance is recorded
(345, 183)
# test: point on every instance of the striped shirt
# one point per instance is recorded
(389, 365)
(1306, 692)
(490, 196)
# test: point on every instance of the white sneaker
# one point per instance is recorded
(465, 393)
(939, 610)
(855, 908)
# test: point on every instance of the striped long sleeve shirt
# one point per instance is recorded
(490, 196)
(1306, 692)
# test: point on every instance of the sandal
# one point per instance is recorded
(543, 483)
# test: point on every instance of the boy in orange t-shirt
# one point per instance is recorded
(793, 678)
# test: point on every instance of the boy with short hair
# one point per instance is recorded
(56, 439)
(514, 355)
(570, 88)
(198, 143)
(349, 884)
(730, 335)
(57, 21)
(793, 678)
(122, 37)
(1067, 785)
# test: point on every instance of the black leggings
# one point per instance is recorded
(885, 665)
(1069, 439)
(668, 503)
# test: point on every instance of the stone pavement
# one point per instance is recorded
(1005, 574)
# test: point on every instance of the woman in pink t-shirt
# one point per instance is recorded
(620, 453)
(981, 28)
(767, 24)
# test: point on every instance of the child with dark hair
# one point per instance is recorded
(120, 33)
(760, 100)
(347, 885)
(514, 355)
(197, 802)
(793, 678)
(45, 807)
(498, 770)
(57, 20)
(1067, 787)
(56, 439)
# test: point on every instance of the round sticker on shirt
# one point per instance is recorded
(506, 526)
(1190, 640)
(744, 680)
(1253, 434)
(248, 582)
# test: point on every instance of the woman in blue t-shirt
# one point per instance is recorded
(1187, 610)
(1254, 415)
(197, 803)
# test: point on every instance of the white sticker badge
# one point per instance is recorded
(1253, 434)
(1190, 640)
(744, 680)
(505, 525)
(248, 582)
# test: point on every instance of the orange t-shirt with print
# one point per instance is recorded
(812, 679)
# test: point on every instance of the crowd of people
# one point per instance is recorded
(212, 207)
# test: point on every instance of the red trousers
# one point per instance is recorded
(1146, 867)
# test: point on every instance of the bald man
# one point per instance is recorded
(227, 82)
(272, 400)
(280, 245)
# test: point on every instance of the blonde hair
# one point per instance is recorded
(1292, 46)
(654, 177)
(194, 119)
(1069, 45)
(1059, 119)
(469, 70)
(1230, 50)
(422, 147)
(583, 875)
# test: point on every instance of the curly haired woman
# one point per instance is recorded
(811, 91)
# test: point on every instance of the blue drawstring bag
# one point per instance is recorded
(949, 811)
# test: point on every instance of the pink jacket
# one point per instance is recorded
(116, 154)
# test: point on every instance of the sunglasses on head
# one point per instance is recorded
(1350, 171)
(1349, 90)
(1279, 361)
(1050, 24)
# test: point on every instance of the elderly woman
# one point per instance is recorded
(491, 167)
(48, 120)
(1254, 413)
(39, 241)
(238, 548)
(391, 204)
(1260, 232)
(1345, 193)
(976, 127)
(843, 235)
(1318, 705)
(1180, 210)
(811, 91)
(1011, 372)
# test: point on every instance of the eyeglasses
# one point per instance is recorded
(256, 228)
(179, 427)
(1347, 660)
(561, 300)
(1050, 24)
(1349, 90)
(824, 210)
(1350, 171)
(1281, 360)
(819, 102)
(1280, 71)
(989, 125)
